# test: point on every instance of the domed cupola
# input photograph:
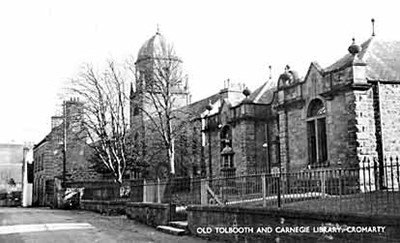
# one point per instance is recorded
(156, 47)
(157, 65)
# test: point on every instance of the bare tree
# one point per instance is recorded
(105, 103)
(162, 88)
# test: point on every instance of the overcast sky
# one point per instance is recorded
(44, 43)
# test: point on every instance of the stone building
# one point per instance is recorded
(158, 54)
(341, 116)
(160, 89)
(48, 155)
(344, 115)
(342, 112)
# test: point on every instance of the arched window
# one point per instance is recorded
(316, 133)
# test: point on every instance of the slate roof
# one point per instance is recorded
(198, 107)
(382, 59)
(265, 93)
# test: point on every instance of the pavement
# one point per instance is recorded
(44, 225)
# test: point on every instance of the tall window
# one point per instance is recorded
(226, 147)
(226, 137)
(316, 131)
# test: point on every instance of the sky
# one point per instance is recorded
(43, 44)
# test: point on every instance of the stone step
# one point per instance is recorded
(171, 230)
(179, 224)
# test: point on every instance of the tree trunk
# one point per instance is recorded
(118, 179)
(171, 155)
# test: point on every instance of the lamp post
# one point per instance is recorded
(267, 168)
(276, 171)
(278, 151)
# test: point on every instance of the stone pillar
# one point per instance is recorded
(283, 141)
(249, 146)
(203, 192)
(351, 129)
(362, 142)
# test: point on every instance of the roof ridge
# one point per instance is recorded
(262, 91)
(348, 58)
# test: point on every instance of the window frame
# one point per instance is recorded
(317, 133)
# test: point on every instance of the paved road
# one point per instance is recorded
(47, 225)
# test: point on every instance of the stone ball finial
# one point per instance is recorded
(246, 92)
(354, 48)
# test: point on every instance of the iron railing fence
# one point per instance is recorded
(176, 190)
(99, 189)
(367, 188)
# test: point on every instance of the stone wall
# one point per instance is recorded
(238, 146)
(364, 115)
(245, 158)
(152, 214)
(337, 136)
(388, 138)
(261, 163)
(48, 155)
(48, 163)
(248, 137)
(350, 126)
(297, 140)
(108, 207)
(283, 140)
(389, 95)
(213, 144)
(9, 203)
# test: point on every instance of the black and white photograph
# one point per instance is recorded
(199, 121)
